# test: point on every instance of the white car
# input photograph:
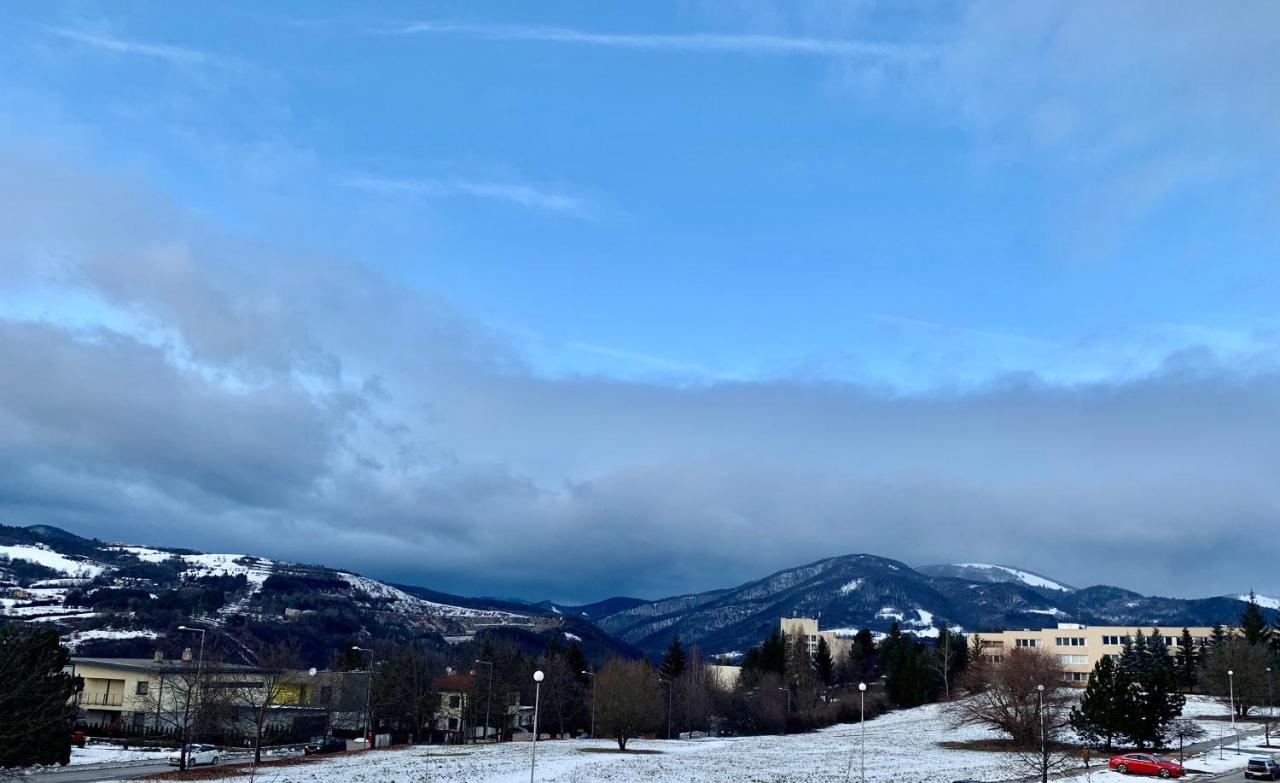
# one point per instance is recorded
(197, 755)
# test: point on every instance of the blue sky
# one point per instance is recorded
(931, 201)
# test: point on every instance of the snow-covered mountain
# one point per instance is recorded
(865, 591)
(102, 594)
(984, 572)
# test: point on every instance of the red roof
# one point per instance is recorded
(454, 683)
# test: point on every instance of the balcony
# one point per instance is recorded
(101, 699)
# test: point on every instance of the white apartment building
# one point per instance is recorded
(807, 628)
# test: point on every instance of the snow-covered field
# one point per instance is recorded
(114, 754)
(899, 746)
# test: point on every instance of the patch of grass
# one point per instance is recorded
(628, 751)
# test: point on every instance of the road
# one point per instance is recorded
(90, 773)
(1238, 774)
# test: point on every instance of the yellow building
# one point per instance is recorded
(1078, 647)
(807, 629)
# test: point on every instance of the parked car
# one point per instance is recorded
(325, 745)
(1262, 768)
(197, 755)
(1146, 764)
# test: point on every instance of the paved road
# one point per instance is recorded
(1238, 775)
(89, 773)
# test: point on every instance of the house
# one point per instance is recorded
(150, 694)
(1077, 646)
(451, 718)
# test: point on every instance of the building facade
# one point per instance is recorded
(1079, 647)
(807, 629)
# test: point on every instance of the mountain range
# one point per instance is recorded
(121, 599)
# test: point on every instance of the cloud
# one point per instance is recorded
(688, 42)
(521, 195)
(239, 397)
(175, 55)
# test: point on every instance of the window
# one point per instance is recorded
(143, 688)
(1076, 660)
(1075, 676)
(453, 724)
(1116, 640)
(1169, 641)
(455, 701)
(1070, 641)
(326, 694)
(1027, 642)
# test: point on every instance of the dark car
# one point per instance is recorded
(325, 745)
(1262, 768)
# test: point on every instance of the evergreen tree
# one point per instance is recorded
(673, 662)
(1103, 711)
(863, 657)
(1156, 701)
(1188, 661)
(908, 679)
(1217, 636)
(36, 710)
(823, 666)
(577, 661)
(1253, 624)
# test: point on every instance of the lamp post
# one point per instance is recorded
(488, 697)
(1044, 750)
(186, 726)
(862, 722)
(1231, 695)
(537, 697)
(592, 675)
(368, 699)
(1270, 707)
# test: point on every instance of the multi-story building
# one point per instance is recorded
(807, 629)
(1078, 647)
(138, 694)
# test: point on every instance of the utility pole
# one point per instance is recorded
(186, 727)
(368, 700)
(592, 674)
(1044, 747)
(488, 697)
(862, 722)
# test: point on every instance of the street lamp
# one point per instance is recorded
(1231, 694)
(488, 697)
(1044, 752)
(368, 699)
(1270, 707)
(592, 674)
(862, 721)
(186, 726)
(537, 697)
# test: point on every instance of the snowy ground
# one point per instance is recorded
(900, 746)
(114, 754)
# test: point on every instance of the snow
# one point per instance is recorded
(255, 569)
(1264, 601)
(114, 754)
(106, 633)
(43, 555)
(889, 613)
(403, 602)
(899, 746)
(1053, 612)
(926, 618)
(851, 586)
(144, 553)
(572, 636)
(1025, 577)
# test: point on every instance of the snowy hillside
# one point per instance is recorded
(986, 572)
(99, 594)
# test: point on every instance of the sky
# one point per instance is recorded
(566, 300)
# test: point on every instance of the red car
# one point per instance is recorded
(1146, 764)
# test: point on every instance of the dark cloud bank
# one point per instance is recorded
(161, 382)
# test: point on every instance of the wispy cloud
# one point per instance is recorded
(692, 42)
(177, 55)
(515, 193)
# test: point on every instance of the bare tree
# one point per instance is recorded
(1246, 685)
(186, 697)
(1185, 731)
(628, 699)
(265, 689)
(1005, 697)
